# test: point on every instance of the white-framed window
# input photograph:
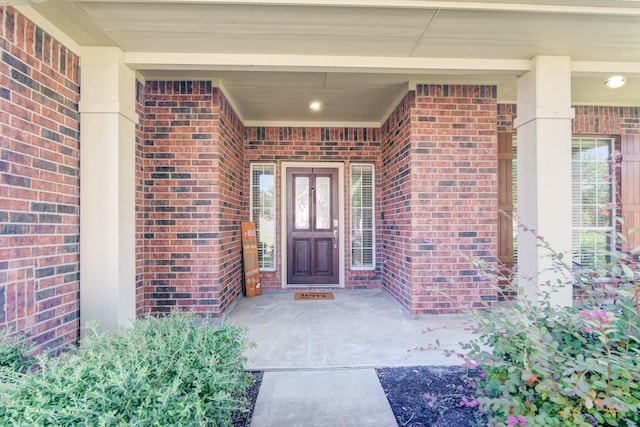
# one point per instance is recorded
(362, 203)
(263, 212)
(593, 200)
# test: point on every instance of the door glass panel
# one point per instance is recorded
(302, 202)
(323, 202)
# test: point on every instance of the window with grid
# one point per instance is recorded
(592, 197)
(593, 201)
(263, 212)
(362, 217)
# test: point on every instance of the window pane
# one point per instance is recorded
(362, 217)
(367, 256)
(263, 212)
(323, 203)
(302, 202)
(591, 249)
(592, 201)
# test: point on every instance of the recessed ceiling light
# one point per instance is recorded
(615, 82)
(315, 106)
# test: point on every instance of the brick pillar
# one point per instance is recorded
(453, 197)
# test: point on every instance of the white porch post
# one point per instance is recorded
(107, 189)
(543, 125)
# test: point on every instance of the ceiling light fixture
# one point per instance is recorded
(615, 82)
(315, 106)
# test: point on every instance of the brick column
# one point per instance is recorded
(453, 199)
(544, 172)
(107, 189)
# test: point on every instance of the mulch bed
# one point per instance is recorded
(419, 396)
(244, 418)
(430, 396)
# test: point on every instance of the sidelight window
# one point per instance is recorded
(263, 212)
(362, 217)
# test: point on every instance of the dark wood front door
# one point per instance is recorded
(312, 226)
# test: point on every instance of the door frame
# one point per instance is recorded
(283, 219)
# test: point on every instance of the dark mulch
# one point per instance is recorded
(430, 396)
(243, 419)
(419, 396)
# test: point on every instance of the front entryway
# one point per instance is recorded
(313, 226)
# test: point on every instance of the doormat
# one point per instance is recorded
(308, 296)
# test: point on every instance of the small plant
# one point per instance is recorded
(14, 353)
(175, 370)
(565, 366)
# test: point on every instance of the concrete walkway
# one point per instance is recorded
(351, 397)
(319, 356)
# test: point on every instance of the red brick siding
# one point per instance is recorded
(454, 196)
(39, 196)
(593, 120)
(346, 145)
(396, 192)
(228, 205)
(179, 193)
(506, 114)
(140, 200)
(589, 120)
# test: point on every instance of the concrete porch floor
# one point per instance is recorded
(358, 329)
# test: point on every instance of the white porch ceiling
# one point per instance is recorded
(359, 56)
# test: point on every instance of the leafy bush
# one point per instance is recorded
(175, 370)
(14, 353)
(565, 366)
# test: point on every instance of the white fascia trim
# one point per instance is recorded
(595, 68)
(49, 28)
(294, 124)
(418, 4)
(320, 63)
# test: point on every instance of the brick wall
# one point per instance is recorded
(140, 200)
(435, 159)
(396, 192)
(229, 204)
(454, 199)
(193, 198)
(593, 120)
(506, 114)
(179, 190)
(439, 157)
(589, 120)
(347, 145)
(39, 196)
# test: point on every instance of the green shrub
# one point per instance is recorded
(14, 353)
(565, 366)
(175, 370)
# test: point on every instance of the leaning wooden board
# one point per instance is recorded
(250, 255)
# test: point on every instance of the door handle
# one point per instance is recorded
(335, 239)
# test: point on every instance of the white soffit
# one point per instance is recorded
(360, 56)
